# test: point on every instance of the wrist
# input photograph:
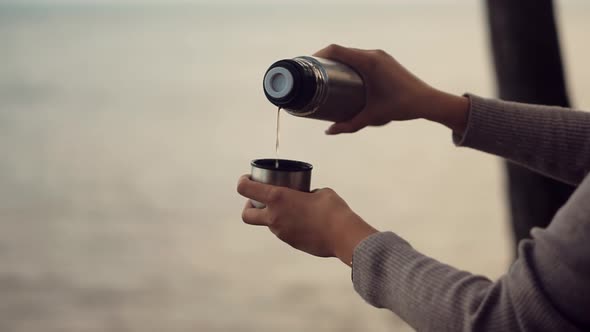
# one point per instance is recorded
(346, 238)
(449, 110)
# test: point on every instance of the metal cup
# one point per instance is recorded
(290, 173)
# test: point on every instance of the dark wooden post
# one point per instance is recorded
(528, 68)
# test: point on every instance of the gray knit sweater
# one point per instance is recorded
(548, 287)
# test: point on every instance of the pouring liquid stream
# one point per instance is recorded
(277, 139)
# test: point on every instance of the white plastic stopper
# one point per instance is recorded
(278, 82)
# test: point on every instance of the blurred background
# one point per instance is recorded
(124, 126)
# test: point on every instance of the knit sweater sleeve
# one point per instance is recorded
(551, 140)
(546, 289)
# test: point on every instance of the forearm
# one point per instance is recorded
(431, 296)
(552, 140)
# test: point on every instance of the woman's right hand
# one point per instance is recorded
(394, 93)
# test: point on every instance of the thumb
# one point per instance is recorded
(351, 126)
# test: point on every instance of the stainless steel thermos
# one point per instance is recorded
(315, 88)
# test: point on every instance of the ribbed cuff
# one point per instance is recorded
(477, 120)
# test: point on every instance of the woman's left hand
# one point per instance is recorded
(319, 223)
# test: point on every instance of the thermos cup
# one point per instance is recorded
(290, 173)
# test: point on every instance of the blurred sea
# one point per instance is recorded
(123, 130)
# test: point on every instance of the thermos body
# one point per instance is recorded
(315, 88)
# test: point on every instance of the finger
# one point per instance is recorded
(254, 216)
(355, 124)
(263, 193)
(353, 57)
(343, 128)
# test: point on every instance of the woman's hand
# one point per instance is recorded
(394, 93)
(319, 223)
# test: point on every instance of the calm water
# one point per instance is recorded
(123, 132)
